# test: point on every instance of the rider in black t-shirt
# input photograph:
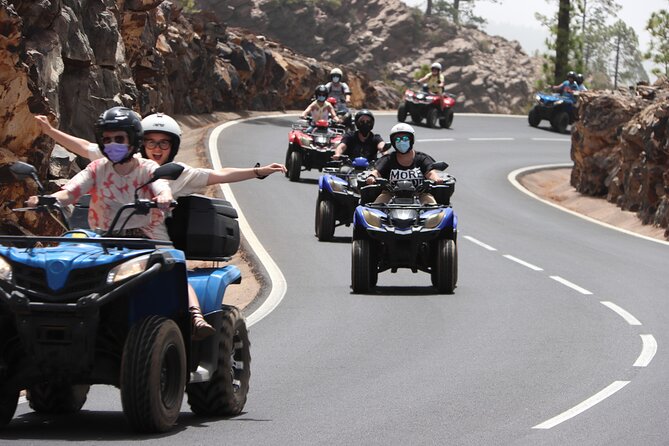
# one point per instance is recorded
(404, 164)
(362, 142)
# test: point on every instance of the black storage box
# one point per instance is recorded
(204, 228)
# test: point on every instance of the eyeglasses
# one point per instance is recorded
(164, 144)
(404, 138)
(119, 139)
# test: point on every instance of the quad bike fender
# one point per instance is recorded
(210, 285)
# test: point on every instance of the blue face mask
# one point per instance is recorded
(335, 78)
(321, 98)
(403, 146)
(115, 151)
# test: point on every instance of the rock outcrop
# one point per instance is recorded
(72, 60)
(620, 148)
(390, 41)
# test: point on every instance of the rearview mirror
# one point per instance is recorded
(22, 170)
(169, 171)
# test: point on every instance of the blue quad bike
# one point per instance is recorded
(338, 194)
(86, 308)
(405, 234)
(559, 110)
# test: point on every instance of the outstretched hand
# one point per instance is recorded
(44, 123)
(271, 168)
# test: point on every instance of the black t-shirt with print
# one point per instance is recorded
(366, 148)
(389, 168)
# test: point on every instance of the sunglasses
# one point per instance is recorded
(164, 144)
(404, 138)
(119, 139)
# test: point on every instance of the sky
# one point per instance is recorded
(514, 19)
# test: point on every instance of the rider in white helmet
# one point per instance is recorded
(404, 163)
(434, 79)
(161, 141)
(339, 89)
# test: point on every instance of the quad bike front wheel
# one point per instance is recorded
(445, 271)
(402, 113)
(153, 375)
(446, 119)
(57, 398)
(9, 400)
(361, 265)
(432, 117)
(533, 117)
(325, 220)
(225, 393)
(294, 165)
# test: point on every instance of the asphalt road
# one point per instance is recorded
(549, 338)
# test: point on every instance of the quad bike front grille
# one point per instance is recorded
(79, 282)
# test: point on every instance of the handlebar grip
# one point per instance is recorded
(46, 200)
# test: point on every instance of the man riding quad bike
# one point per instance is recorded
(310, 146)
(558, 108)
(431, 103)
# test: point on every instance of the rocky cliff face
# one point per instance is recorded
(620, 148)
(71, 60)
(390, 41)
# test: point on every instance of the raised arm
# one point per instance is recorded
(78, 146)
(235, 174)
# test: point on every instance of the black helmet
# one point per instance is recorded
(571, 75)
(359, 114)
(321, 90)
(120, 118)
(579, 78)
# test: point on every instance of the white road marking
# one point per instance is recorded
(551, 139)
(647, 352)
(513, 179)
(435, 140)
(573, 286)
(480, 243)
(277, 279)
(582, 407)
(491, 139)
(522, 262)
(622, 313)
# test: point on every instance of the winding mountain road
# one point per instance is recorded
(554, 334)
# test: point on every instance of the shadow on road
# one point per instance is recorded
(90, 426)
(405, 290)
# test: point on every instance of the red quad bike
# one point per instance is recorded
(310, 147)
(429, 106)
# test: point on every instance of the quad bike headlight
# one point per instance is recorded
(127, 269)
(371, 218)
(5, 270)
(305, 141)
(434, 220)
(336, 185)
(537, 98)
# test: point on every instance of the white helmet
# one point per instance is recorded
(402, 128)
(436, 65)
(336, 72)
(159, 122)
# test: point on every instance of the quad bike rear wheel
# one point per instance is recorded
(446, 119)
(153, 375)
(445, 271)
(533, 117)
(325, 220)
(8, 402)
(225, 393)
(402, 113)
(361, 265)
(560, 121)
(432, 117)
(294, 165)
(57, 398)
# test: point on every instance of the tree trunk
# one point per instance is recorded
(562, 42)
(428, 8)
(456, 12)
(615, 72)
